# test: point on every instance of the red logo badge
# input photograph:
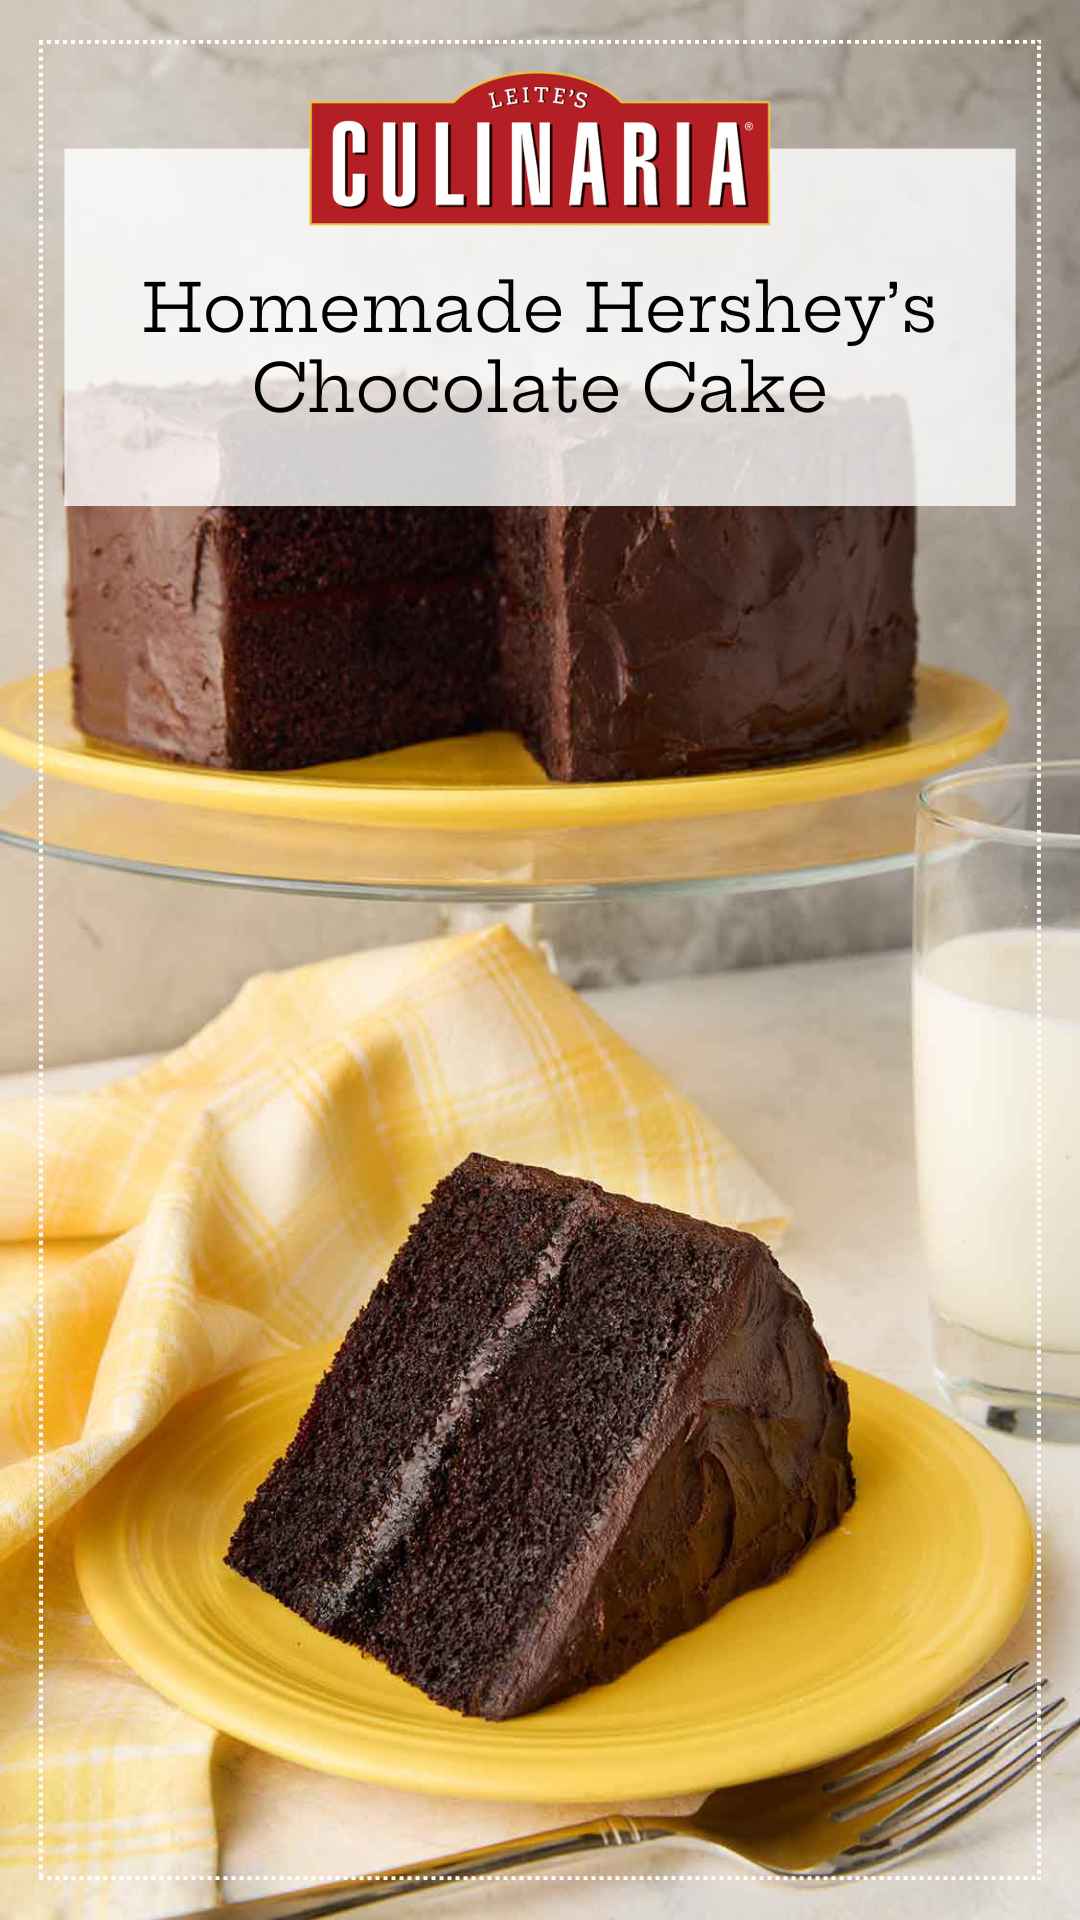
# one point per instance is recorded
(540, 148)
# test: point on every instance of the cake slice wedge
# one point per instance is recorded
(567, 1426)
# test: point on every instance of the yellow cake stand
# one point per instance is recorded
(476, 818)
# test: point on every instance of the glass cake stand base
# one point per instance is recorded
(786, 847)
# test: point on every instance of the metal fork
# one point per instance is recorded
(806, 1826)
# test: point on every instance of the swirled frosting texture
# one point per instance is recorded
(750, 1467)
(709, 637)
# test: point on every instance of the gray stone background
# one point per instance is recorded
(134, 963)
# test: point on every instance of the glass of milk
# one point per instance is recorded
(997, 1090)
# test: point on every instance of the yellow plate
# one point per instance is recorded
(874, 1626)
(489, 781)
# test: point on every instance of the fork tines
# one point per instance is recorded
(950, 1767)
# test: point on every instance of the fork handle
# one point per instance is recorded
(344, 1896)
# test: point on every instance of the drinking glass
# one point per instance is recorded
(996, 1018)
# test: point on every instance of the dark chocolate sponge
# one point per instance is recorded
(621, 642)
(567, 1426)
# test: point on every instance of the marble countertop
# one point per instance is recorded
(807, 1068)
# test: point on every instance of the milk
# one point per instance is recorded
(975, 1112)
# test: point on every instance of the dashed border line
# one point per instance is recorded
(39, 915)
(1040, 1138)
(546, 41)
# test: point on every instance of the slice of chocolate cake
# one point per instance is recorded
(567, 1426)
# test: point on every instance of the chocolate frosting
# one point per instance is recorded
(743, 1466)
(146, 615)
(711, 637)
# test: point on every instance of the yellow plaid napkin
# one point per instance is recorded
(242, 1195)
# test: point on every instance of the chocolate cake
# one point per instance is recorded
(620, 642)
(567, 1426)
